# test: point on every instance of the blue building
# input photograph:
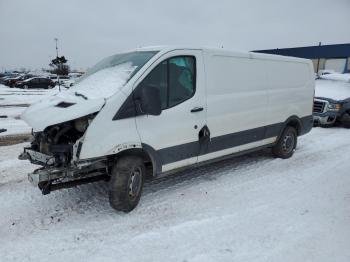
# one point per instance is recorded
(324, 57)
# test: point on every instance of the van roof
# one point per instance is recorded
(225, 52)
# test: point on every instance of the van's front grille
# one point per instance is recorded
(319, 106)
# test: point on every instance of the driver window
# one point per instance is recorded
(175, 79)
(158, 78)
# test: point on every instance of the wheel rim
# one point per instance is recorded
(288, 143)
(135, 182)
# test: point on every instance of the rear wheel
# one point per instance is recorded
(286, 144)
(126, 183)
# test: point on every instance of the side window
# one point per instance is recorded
(181, 79)
(175, 78)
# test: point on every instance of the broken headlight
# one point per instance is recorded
(334, 106)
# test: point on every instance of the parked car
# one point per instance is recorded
(332, 103)
(75, 75)
(155, 111)
(35, 82)
(11, 82)
(67, 83)
(62, 80)
(6, 77)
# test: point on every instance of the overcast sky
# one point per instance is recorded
(89, 30)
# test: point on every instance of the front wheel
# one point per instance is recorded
(345, 120)
(125, 186)
(286, 144)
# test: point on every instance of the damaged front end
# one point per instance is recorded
(57, 150)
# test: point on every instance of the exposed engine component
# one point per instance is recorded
(81, 124)
(58, 140)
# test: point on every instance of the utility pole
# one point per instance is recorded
(58, 77)
(318, 60)
(56, 40)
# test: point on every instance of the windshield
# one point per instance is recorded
(111, 74)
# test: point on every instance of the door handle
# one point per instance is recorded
(196, 109)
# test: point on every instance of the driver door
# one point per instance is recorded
(173, 134)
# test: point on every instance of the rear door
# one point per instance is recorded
(174, 133)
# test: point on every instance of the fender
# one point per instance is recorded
(155, 158)
(303, 125)
(145, 151)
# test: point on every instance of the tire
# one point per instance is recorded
(345, 120)
(25, 87)
(286, 144)
(125, 186)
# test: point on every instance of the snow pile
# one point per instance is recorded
(336, 77)
(105, 82)
(336, 90)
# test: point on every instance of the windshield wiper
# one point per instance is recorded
(83, 96)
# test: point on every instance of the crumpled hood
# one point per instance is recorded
(87, 96)
(58, 109)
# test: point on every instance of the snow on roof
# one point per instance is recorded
(336, 77)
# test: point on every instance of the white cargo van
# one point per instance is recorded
(157, 110)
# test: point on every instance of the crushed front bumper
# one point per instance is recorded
(325, 119)
(36, 157)
(42, 175)
(50, 177)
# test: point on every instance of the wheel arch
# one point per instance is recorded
(293, 121)
(146, 152)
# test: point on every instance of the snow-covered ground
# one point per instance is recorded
(13, 101)
(250, 208)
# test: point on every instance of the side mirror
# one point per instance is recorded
(150, 102)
